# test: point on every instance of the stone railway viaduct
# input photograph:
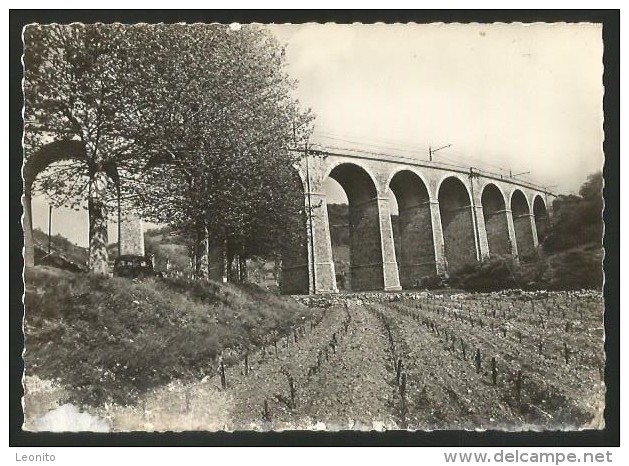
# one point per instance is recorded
(448, 217)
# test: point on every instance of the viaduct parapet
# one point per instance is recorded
(448, 217)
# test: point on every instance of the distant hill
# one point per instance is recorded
(63, 253)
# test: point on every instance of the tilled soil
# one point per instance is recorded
(421, 362)
(427, 364)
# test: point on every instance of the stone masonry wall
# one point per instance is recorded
(458, 234)
(366, 247)
(131, 234)
(497, 233)
(416, 258)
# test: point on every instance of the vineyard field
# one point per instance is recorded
(427, 362)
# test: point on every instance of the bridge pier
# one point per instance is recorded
(437, 238)
(320, 247)
(534, 231)
(390, 273)
(524, 235)
(131, 234)
(511, 231)
(483, 242)
(417, 257)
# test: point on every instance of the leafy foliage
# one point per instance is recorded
(578, 220)
(195, 122)
(220, 134)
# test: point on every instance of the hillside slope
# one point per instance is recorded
(111, 339)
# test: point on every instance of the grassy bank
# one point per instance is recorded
(112, 339)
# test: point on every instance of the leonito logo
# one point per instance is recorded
(34, 458)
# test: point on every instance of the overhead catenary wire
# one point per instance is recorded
(371, 144)
(450, 162)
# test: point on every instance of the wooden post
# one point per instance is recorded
(494, 371)
(223, 381)
(518, 386)
(265, 411)
(246, 364)
(403, 394)
(291, 386)
(566, 352)
(477, 360)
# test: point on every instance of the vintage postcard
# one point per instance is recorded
(313, 226)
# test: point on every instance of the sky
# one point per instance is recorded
(505, 96)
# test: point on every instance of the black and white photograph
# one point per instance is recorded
(317, 226)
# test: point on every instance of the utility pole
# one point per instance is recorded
(310, 239)
(49, 229)
(432, 151)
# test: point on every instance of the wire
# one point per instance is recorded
(373, 143)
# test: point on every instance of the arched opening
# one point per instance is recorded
(412, 229)
(34, 164)
(295, 265)
(541, 218)
(457, 224)
(66, 153)
(522, 224)
(362, 226)
(496, 225)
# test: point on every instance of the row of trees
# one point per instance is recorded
(195, 122)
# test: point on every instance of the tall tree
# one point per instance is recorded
(220, 135)
(78, 87)
(578, 220)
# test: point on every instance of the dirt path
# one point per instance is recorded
(354, 390)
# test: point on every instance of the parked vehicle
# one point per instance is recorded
(134, 267)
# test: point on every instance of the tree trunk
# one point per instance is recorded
(98, 256)
(27, 226)
(243, 274)
(229, 270)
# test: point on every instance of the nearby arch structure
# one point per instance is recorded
(130, 231)
(448, 218)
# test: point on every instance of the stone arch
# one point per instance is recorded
(37, 162)
(415, 251)
(457, 223)
(496, 222)
(34, 164)
(365, 240)
(295, 262)
(337, 163)
(452, 177)
(540, 212)
(522, 224)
